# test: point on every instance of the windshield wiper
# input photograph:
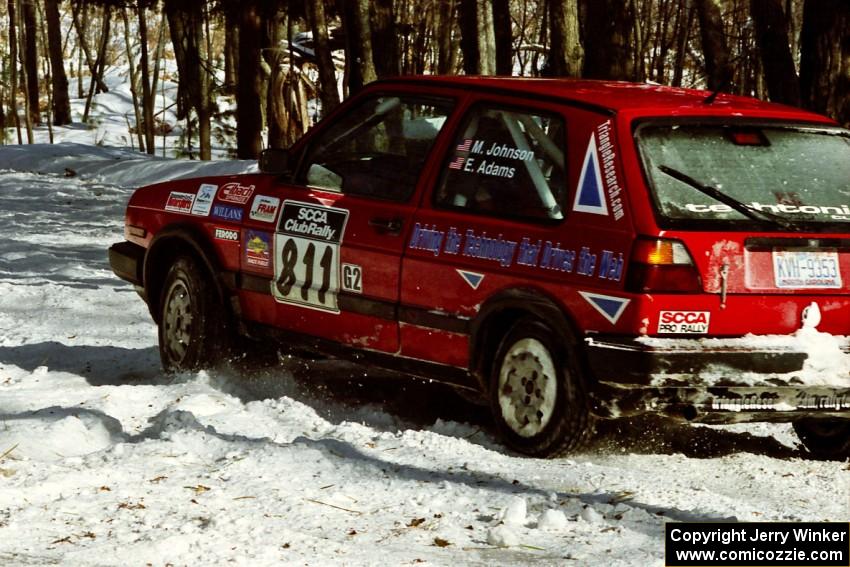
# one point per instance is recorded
(718, 195)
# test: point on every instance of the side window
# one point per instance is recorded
(507, 163)
(377, 149)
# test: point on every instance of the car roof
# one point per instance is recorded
(614, 96)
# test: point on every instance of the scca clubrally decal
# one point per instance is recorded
(306, 259)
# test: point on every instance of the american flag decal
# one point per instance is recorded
(457, 163)
(464, 147)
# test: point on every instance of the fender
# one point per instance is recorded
(499, 313)
(165, 244)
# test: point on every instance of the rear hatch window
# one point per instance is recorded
(748, 176)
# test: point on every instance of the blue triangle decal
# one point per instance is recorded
(608, 306)
(474, 280)
(590, 194)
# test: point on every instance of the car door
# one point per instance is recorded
(335, 255)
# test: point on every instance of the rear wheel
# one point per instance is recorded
(825, 438)
(192, 322)
(537, 393)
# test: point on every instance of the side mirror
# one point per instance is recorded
(274, 160)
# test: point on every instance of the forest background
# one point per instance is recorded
(268, 69)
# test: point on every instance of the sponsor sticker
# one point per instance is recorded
(235, 193)
(258, 249)
(264, 208)
(180, 202)
(204, 199)
(226, 234)
(226, 212)
(352, 278)
(683, 322)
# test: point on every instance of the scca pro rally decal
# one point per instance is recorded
(236, 193)
(180, 202)
(683, 322)
(306, 259)
(596, 177)
(264, 208)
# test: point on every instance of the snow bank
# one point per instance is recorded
(115, 166)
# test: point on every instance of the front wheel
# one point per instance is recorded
(192, 321)
(537, 393)
(825, 438)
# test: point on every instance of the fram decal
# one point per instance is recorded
(683, 322)
(227, 234)
(258, 249)
(264, 208)
(204, 199)
(180, 202)
(590, 195)
(473, 279)
(609, 306)
(227, 212)
(236, 193)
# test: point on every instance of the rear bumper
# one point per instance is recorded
(126, 260)
(779, 378)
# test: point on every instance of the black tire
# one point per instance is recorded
(552, 416)
(827, 439)
(192, 323)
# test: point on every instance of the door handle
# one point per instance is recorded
(386, 226)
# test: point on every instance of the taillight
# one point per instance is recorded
(662, 265)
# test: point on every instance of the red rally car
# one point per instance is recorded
(569, 250)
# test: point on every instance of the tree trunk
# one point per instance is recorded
(686, 19)
(469, 37)
(446, 52)
(358, 36)
(825, 58)
(609, 30)
(503, 33)
(147, 93)
(31, 59)
(231, 52)
(134, 75)
(61, 101)
(13, 66)
(771, 28)
(84, 44)
(249, 121)
(718, 64)
(384, 35)
(486, 37)
(100, 63)
(329, 94)
(565, 51)
(185, 21)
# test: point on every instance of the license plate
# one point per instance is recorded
(806, 269)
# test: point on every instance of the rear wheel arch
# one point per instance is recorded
(501, 312)
(168, 245)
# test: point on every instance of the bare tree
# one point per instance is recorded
(565, 51)
(147, 91)
(715, 48)
(329, 94)
(825, 58)
(609, 29)
(249, 118)
(772, 39)
(61, 101)
(503, 37)
(13, 63)
(30, 62)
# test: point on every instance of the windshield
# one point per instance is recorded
(799, 173)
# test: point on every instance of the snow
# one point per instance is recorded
(106, 461)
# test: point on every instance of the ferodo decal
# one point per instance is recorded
(683, 322)
(597, 175)
(204, 199)
(306, 259)
(235, 193)
(226, 234)
(609, 306)
(258, 249)
(264, 208)
(180, 202)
